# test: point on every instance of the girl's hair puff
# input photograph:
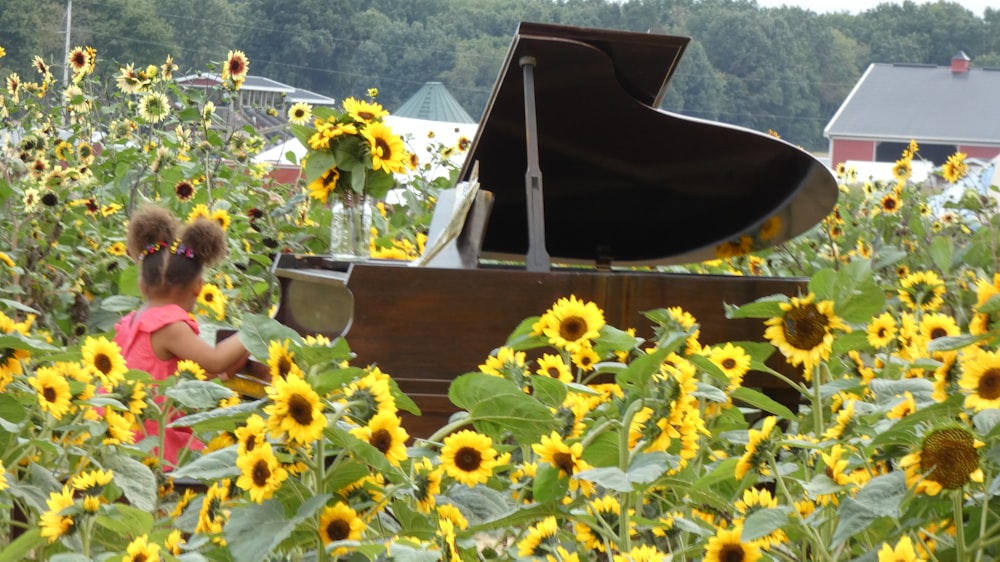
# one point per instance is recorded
(150, 225)
(206, 238)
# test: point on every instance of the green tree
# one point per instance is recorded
(124, 31)
(205, 30)
(29, 28)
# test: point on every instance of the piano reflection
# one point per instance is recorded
(576, 183)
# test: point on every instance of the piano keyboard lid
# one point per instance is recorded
(624, 182)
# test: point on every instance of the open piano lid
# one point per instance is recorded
(624, 182)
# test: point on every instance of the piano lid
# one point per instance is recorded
(624, 182)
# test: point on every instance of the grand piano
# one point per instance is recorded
(583, 187)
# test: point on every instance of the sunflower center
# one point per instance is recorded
(284, 366)
(366, 115)
(261, 473)
(950, 457)
(141, 557)
(880, 333)
(805, 326)
(381, 440)
(731, 553)
(300, 409)
(572, 328)
(728, 363)
(564, 461)
(338, 530)
(938, 333)
(251, 443)
(553, 372)
(468, 459)
(384, 151)
(49, 393)
(102, 363)
(989, 384)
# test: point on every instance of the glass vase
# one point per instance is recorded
(350, 227)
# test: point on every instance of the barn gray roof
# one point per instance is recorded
(925, 102)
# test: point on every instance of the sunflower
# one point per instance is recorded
(881, 331)
(803, 332)
(923, 290)
(384, 432)
(426, 484)
(321, 187)
(955, 168)
(251, 434)
(387, 150)
(184, 190)
(339, 522)
(92, 482)
(758, 442)
(58, 519)
(468, 457)
(567, 458)
(734, 362)
(141, 550)
(79, 62)
(222, 218)
(236, 66)
(890, 203)
(281, 361)
(119, 428)
(213, 300)
(903, 552)
(211, 516)
(154, 107)
(190, 370)
(53, 391)
(505, 360)
(260, 472)
(369, 395)
(902, 170)
(727, 546)
(585, 358)
(905, 407)
(366, 112)
(540, 538)
(947, 459)
(3, 478)
(174, 543)
(295, 411)
(168, 68)
(641, 553)
(755, 500)
(103, 358)
(981, 378)
(571, 323)
(299, 113)
(554, 366)
(606, 511)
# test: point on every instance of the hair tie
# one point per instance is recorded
(151, 249)
(181, 250)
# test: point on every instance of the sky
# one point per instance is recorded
(855, 6)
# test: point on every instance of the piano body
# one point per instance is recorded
(585, 187)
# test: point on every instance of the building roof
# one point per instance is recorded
(924, 102)
(433, 102)
(254, 83)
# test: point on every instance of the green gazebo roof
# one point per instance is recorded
(434, 102)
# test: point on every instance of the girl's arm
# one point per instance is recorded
(179, 340)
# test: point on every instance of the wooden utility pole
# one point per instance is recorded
(69, 26)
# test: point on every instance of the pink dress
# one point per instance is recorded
(133, 333)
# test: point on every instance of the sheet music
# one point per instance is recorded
(456, 203)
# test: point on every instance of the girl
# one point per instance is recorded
(155, 337)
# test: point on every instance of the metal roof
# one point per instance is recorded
(923, 102)
(434, 102)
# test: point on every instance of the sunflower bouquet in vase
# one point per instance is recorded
(351, 159)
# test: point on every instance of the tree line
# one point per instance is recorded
(782, 69)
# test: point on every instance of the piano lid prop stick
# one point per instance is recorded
(537, 258)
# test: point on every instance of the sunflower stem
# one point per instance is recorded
(958, 497)
(817, 402)
(440, 434)
(982, 519)
(817, 542)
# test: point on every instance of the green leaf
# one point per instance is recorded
(647, 467)
(363, 451)
(763, 522)
(135, 479)
(20, 548)
(199, 395)
(257, 331)
(224, 419)
(11, 410)
(126, 520)
(495, 404)
(823, 284)
(412, 523)
(881, 497)
(549, 485)
(763, 402)
(253, 532)
(317, 164)
(213, 466)
(481, 503)
(610, 477)
(765, 307)
(941, 251)
(990, 306)
(642, 368)
(547, 390)
(904, 431)
(952, 343)
(120, 303)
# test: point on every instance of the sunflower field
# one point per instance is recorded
(576, 440)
